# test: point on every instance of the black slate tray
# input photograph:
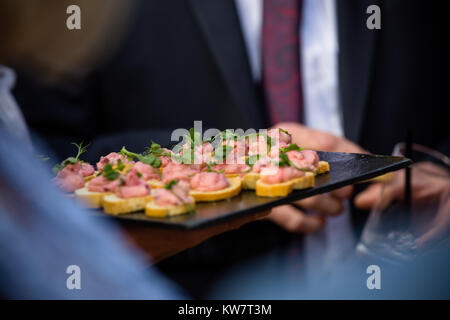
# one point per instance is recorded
(346, 169)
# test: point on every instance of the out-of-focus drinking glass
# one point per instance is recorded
(394, 227)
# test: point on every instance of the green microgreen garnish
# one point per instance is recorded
(148, 158)
(170, 184)
(282, 130)
(109, 172)
(284, 159)
(120, 165)
(269, 141)
(156, 150)
(194, 138)
(209, 168)
(221, 154)
(188, 156)
(251, 160)
(292, 147)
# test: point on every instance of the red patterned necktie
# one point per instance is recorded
(281, 60)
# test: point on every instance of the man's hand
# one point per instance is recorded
(430, 188)
(440, 226)
(293, 217)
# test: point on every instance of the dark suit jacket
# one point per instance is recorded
(185, 60)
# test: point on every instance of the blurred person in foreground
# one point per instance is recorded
(351, 89)
(44, 234)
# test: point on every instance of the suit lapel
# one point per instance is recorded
(220, 25)
(356, 57)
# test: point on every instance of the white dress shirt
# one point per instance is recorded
(319, 71)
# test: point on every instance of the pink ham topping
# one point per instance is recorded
(147, 171)
(133, 187)
(101, 184)
(69, 169)
(275, 151)
(239, 149)
(261, 163)
(258, 146)
(112, 158)
(209, 181)
(272, 174)
(232, 168)
(165, 160)
(306, 159)
(177, 196)
(176, 171)
(205, 148)
(283, 138)
(69, 182)
(83, 169)
(71, 177)
(86, 170)
(202, 154)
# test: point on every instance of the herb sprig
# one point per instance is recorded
(156, 150)
(284, 160)
(71, 160)
(291, 147)
(284, 131)
(251, 160)
(187, 155)
(147, 158)
(170, 184)
(120, 165)
(109, 172)
(222, 154)
(209, 168)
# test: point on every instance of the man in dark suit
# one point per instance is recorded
(191, 60)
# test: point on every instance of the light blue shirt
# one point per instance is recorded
(11, 118)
